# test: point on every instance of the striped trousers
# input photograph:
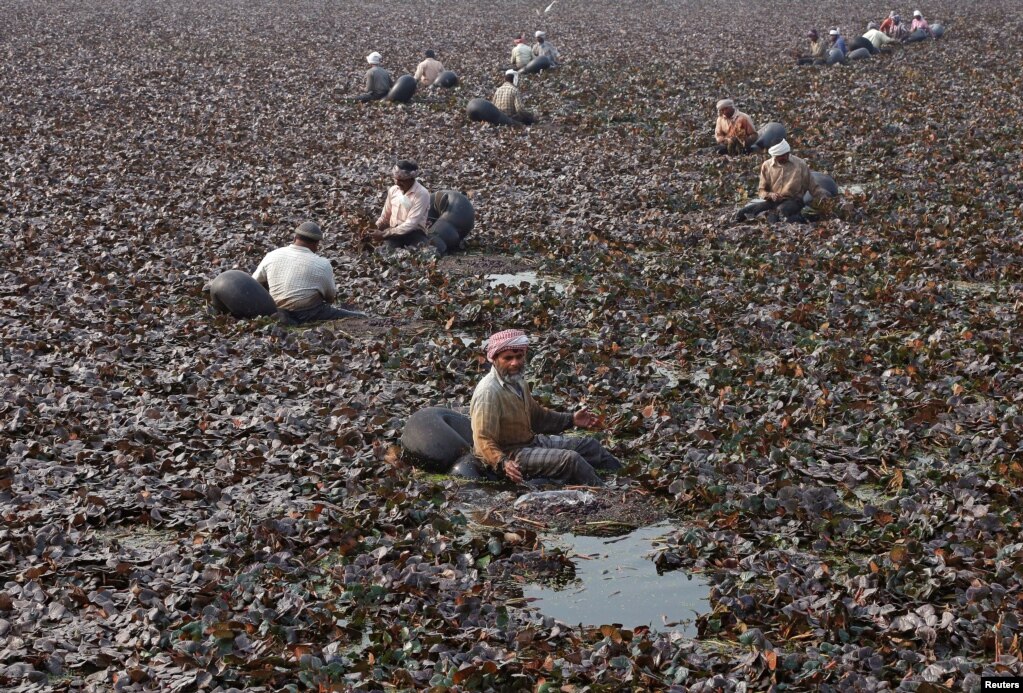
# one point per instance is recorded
(566, 459)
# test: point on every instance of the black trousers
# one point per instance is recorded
(370, 96)
(524, 117)
(414, 237)
(319, 313)
(738, 148)
(788, 208)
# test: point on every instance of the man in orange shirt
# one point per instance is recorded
(734, 130)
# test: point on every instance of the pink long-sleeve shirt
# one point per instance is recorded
(405, 212)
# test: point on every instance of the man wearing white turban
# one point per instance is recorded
(378, 81)
(784, 179)
(544, 47)
(838, 41)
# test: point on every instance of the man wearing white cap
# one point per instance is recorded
(920, 24)
(402, 221)
(508, 101)
(518, 437)
(378, 81)
(837, 41)
(784, 179)
(734, 130)
(544, 47)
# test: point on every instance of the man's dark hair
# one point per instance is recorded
(430, 53)
(408, 165)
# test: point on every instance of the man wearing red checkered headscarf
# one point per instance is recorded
(517, 437)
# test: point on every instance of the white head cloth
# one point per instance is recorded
(374, 58)
(833, 32)
(780, 148)
(724, 103)
(918, 13)
(539, 34)
(402, 174)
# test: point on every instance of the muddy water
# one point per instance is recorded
(531, 278)
(616, 581)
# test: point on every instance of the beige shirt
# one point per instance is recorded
(504, 420)
(428, 71)
(878, 38)
(405, 212)
(521, 55)
(790, 180)
(297, 277)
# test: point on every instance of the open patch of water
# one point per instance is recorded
(616, 581)
(139, 538)
(531, 278)
(973, 287)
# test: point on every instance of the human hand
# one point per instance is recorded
(771, 197)
(381, 225)
(512, 471)
(584, 419)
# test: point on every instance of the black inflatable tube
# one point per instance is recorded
(835, 57)
(454, 207)
(237, 293)
(444, 237)
(446, 79)
(537, 64)
(918, 35)
(403, 90)
(436, 438)
(938, 30)
(768, 135)
(481, 110)
(861, 42)
(468, 467)
(825, 183)
(859, 54)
